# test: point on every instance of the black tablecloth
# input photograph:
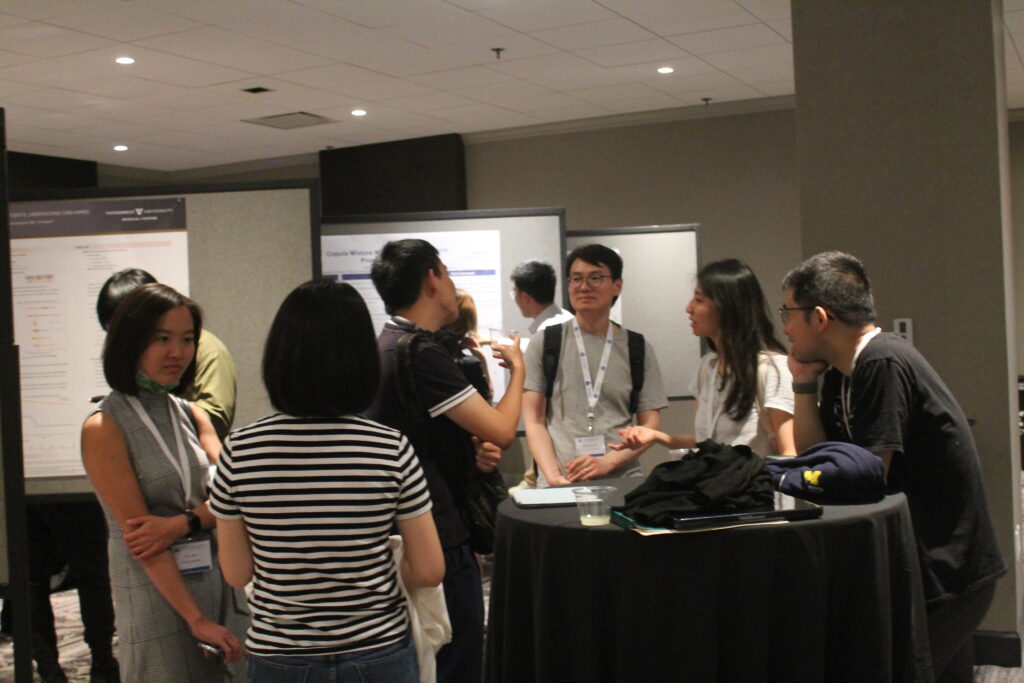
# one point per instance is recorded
(832, 599)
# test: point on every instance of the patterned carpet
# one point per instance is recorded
(74, 653)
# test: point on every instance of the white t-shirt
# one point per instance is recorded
(774, 390)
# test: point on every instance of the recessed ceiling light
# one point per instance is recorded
(665, 69)
(358, 112)
(124, 60)
(120, 148)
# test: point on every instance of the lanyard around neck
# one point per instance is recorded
(593, 389)
(846, 386)
(180, 464)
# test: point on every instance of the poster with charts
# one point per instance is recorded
(473, 258)
(61, 254)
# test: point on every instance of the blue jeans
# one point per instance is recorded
(390, 664)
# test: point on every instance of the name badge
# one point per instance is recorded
(590, 445)
(193, 556)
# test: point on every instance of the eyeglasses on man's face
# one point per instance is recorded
(784, 311)
(594, 279)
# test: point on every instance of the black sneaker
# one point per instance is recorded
(105, 672)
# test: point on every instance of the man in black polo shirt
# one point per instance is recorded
(880, 393)
(419, 294)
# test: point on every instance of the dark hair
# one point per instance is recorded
(399, 269)
(744, 329)
(536, 278)
(117, 287)
(320, 359)
(466, 322)
(837, 282)
(131, 330)
(596, 255)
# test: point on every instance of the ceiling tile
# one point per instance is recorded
(582, 110)
(504, 94)
(291, 95)
(449, 27)
(8, 88)
(632, 53)
(429, 101)
(767, 10)
(331, 76)
(8, 58)
(484, 117)
(466, 77)
(560, 72)
(783, 28)
(593, 34)
(752, 57)
(655, 101)
(43, 40)
(612, 93)
(673, 17)
(206, 43)
(535, 15)
(53, 99)
(723, 39)
(380, 13)
(776, 88)
(648, 73)
(384, 88)
(764, 74)
(688, 83)
(123, 22)
(1013, 21)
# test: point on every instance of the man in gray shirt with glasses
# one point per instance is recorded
(592, 393)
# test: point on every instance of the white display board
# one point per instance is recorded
(480, 249)
(61, 254)
(660, 266)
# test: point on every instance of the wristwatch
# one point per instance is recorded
(195, 525)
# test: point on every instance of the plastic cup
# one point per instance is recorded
(499, 336)
(592, 502)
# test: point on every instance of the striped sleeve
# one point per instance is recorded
(222, 490)
(413, 498)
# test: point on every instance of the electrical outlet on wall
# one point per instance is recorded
(904, 327)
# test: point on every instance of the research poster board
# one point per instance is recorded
(236, 249)
(660, 266)
(480, 249)
(61, 254)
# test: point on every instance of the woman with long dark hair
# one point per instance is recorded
(147, 453)
(743, 386)
(305, 500)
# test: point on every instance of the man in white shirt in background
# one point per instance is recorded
(534, 292)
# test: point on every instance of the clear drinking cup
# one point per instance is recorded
(594, 505)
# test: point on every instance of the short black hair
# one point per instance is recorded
(536, 278)
(399, 269)
(596, 255)
(321, 359)
(117, 287)
(131, 330)
(837, 282)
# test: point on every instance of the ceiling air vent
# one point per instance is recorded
(297, 119)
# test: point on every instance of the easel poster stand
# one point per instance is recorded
(14, 586)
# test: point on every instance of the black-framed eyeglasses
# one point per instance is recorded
(594, 279)
(784, 311)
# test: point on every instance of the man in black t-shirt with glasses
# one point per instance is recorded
(420, 296)
(878, 392)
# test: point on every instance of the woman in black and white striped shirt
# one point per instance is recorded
(305, 500)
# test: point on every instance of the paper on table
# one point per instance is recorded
(544, 497)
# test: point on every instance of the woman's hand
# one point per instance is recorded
(635, 437)
(205, 630)
(148, 535)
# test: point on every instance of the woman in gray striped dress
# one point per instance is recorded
(147, 454)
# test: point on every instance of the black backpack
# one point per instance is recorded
(553, 349)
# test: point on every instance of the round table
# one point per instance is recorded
(832, 599)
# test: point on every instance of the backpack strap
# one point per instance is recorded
(408, 392)
(552, 350)
(637, 350)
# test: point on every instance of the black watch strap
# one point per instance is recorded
(195, 525)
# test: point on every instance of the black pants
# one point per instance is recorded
(75, 533)
(462, 660)
(951, 628)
